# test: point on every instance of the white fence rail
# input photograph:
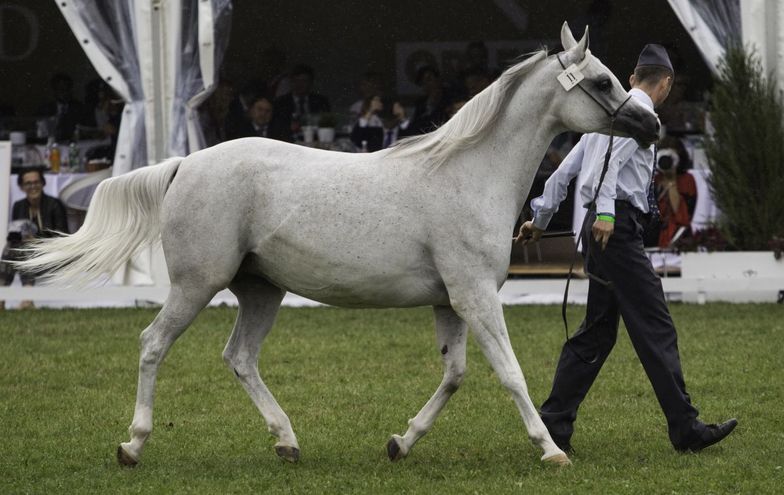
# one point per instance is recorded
(515, 291)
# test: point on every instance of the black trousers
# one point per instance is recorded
(636, 295)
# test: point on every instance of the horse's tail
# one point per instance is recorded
(123, 216)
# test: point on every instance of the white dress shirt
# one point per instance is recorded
(628, 174)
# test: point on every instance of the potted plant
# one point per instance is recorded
(746, 152)
(326, 127)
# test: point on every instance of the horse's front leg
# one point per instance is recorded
(481, 308)
(451, 333)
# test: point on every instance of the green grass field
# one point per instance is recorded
(348, 379)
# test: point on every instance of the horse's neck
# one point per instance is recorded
(504, 164)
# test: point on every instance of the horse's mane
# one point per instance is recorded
(471, 123)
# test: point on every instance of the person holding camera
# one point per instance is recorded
(37, 215)
(676, 191)
(623, 282)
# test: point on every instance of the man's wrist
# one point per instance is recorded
(606, 217)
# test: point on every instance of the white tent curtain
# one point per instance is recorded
(162, 58)
(107, 33)
(763, 31)
(205, 35)
(712, 24)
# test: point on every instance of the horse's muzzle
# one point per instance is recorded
(639, 123)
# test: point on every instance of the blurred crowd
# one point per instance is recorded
(286, 106)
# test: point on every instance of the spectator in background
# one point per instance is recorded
(475, 72)
(273, 59)
(66, 111)
(676, 190)
(455, 107)
(236, 120)
(302, 104)
(381, 125)
(430, 109)
(260, 122)
(104, 110)
(370, 86)
(475, 80)
(47, 214)
(215, 111)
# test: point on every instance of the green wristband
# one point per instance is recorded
(605, 217)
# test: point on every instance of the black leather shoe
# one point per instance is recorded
(711, 435)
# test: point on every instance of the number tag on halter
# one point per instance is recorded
(570, 77)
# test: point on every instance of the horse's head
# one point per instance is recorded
(592, 95)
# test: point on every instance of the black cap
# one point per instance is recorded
(655, 55)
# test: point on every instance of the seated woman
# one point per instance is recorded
(47, 215)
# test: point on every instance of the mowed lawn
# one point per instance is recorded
(350, 378)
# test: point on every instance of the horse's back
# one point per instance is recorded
(341, 228)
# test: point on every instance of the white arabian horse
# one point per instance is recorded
(428, 222)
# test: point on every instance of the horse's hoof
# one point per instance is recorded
(287, 453)
(394, 451)
(125, 459)
(558, 460)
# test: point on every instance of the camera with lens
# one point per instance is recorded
(667, 160)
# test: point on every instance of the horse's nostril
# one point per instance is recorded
(658, 126)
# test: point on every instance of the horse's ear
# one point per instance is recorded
(584, 41)
(567, 39)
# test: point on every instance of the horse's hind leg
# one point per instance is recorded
(451, 332)
(258, 305)
(178, 312)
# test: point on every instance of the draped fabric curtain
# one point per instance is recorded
(202, 44)
(712, 24)
(107, 33)
(162, 57)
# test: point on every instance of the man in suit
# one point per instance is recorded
(623, 282)
(294, 109)
(258, 121)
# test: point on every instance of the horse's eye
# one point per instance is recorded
(604, 85)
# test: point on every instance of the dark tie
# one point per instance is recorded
(653, 204)
(388, 138)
